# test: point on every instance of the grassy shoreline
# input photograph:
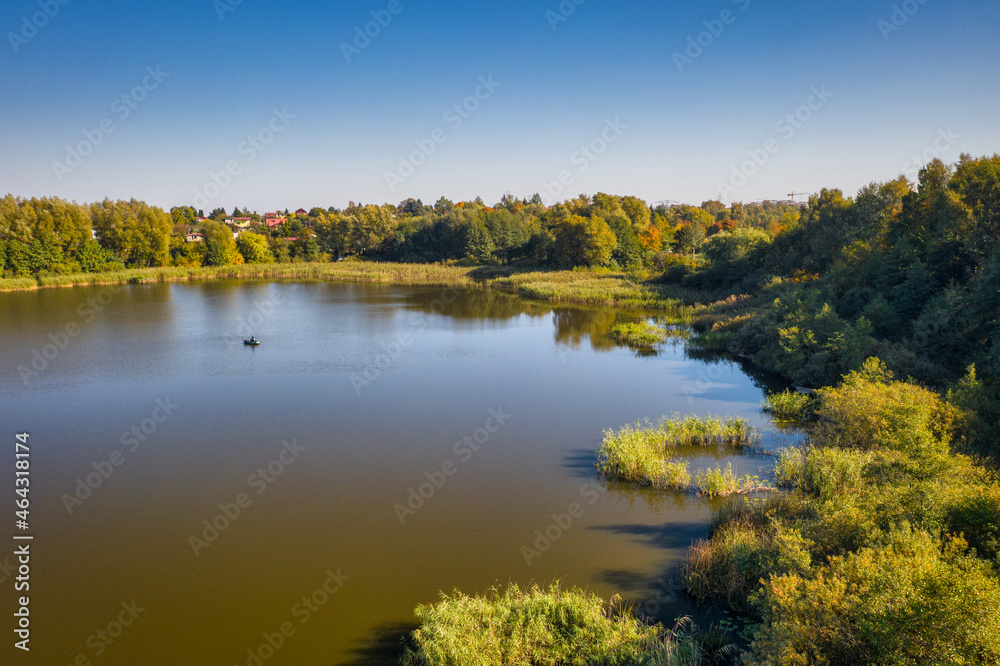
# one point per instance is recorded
(584, 287)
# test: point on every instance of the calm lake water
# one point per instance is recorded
(490, 407)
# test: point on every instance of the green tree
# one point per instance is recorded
(507, 232)
(254, 248)
(370, 227)
(977, 182)
(478, 242)
(17, 258)
(93, 258)
(133, 230)
(689, 237)
(183, 253)
(638, 212)
(44, 253)
(734, 245)
(34, 219)
(184, 215)
(220, 246)
(583, 241)
(629, 251)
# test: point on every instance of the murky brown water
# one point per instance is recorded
(291, 504)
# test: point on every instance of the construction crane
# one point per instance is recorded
(797, 194)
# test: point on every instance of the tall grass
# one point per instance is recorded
(718, 482)
(18, 284)
(541, 626)
(729, 567)
(789, 405)
(709, 431)
(642, 453)
(592, 287)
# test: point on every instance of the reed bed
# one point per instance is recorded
(591, 287)
(639, 454)
(643, 453)
(718, 482)
(18, 284)
(347, 271)
(709, 431)
(542, 626)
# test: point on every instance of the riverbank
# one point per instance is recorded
(600, 288)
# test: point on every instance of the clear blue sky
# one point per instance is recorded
(679, 133)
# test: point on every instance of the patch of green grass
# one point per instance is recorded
(641, 334)
(591, 287)
(789, 405)
(541, 626)
(646, 334)
(718, 482)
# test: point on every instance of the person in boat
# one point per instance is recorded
(252, 339)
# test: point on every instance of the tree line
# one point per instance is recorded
(54, 236)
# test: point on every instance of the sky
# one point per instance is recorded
(268, 105)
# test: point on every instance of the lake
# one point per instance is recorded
(196, 501)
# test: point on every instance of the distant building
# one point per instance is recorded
(301, 211)
(195, 238)
(239, 222)
(274, 220)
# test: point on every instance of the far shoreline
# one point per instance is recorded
(583, 287)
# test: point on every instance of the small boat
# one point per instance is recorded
(252, 343)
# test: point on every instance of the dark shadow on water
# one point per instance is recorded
(383, 647)
(581, 463)
(671, 536)
(656, 598)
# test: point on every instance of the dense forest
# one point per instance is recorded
(908, 275)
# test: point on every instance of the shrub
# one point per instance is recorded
(870, 411)
(911, 602)
(788, 406)
(976, 517)
(731, 565)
